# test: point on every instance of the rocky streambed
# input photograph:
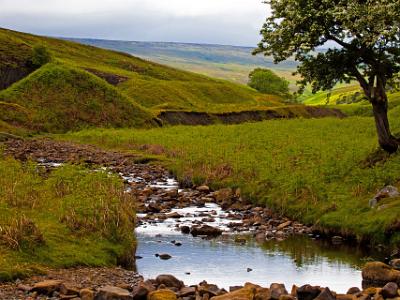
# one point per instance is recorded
(195, 234)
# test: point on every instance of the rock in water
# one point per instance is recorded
(205, 230)
(163, 256)
(379, 273)
(325, 295)
(277, 290)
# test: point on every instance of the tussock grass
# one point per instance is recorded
(72, 216)
(313, 170)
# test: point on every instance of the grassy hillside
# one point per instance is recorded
(232, 63)
(316, 170)
(151, 85)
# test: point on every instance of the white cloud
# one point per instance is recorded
(210, 21)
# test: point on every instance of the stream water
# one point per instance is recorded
(226, 262)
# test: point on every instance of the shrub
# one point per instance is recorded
(40, 55)
(267, 82)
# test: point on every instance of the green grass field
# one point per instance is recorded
(72, 217)
(315, 170)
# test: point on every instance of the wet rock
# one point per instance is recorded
(325, 295)
(389, 290)
(173, 215)
(163, 294)
(48, 287)
(284, 225)
(308, 292)
(142, 290)
(249, 270)
(113, 293)
(163, 256)
(187, 291)
(337, 240)
(277, 290)
(379, 273)
(205, 230)
(185, 229)
(395, 263)
(169, 281)
(353, 290)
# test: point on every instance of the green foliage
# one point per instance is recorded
(366, 31)
(267, 82)
(72, 216)
(313, 170)
(40, 55)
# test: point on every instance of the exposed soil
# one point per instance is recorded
(112, 79)
(202, 118)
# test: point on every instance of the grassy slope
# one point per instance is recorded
(59, 98)
(58, 221)
(146, 80)
(312, 170)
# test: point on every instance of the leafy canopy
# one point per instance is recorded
(267, 82)
(363, 37)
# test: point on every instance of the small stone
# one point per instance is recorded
(203, 188)
(308, 292)
(185, 229)
(277, 290)
(169, 281)
(325, 295)
(162, 295)
(249, 270)
(163, 256)
(48, 287)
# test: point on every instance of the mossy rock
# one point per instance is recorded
(379, 273)
(162, 295)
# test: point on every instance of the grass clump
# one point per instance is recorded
(312, 170)
(72, 216)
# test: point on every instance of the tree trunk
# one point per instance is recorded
(386, 140)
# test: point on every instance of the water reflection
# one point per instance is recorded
(298, 260)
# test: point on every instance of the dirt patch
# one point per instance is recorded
(202, 118)
(112, 79)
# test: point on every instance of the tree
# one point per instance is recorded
(362, 37)
(40, 55)
(266, 81)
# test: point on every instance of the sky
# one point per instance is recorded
(230, 22)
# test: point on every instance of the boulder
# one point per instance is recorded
(86, 294)
(113, 293)
(163, 294)
(187, 291)
(379, 273)
(185, 229)
(48, 287)
(246, 293)
(353, 290)
(277, 290)
(223, 195)
(390, 290)
(205, 230)
(308, 292)
(325, 295)
(142, 290)
(169, 281)
(395, 263)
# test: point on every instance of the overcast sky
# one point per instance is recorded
(233, 22)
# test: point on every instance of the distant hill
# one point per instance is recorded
(86, 86)
(227, 62)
